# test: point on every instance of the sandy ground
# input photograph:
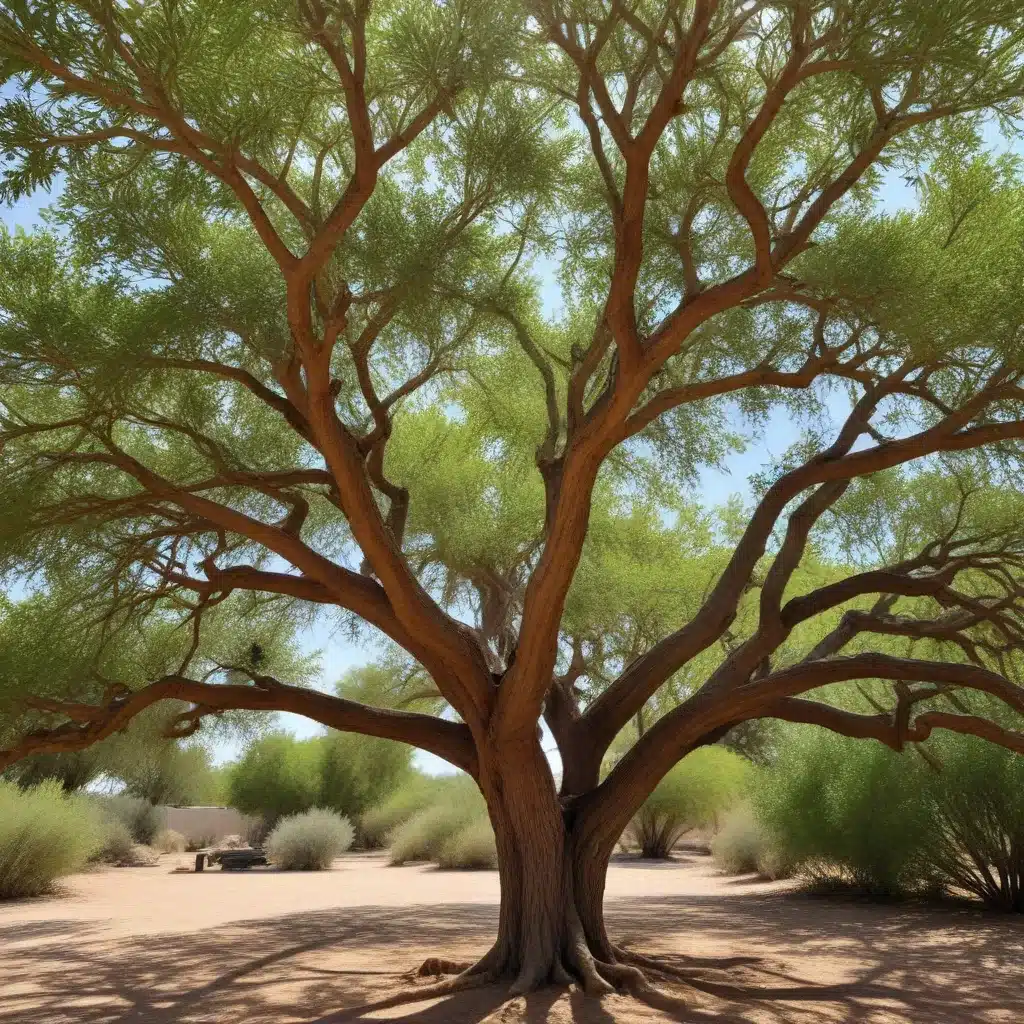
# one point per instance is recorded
(144, 945)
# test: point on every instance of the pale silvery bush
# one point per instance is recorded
(309, 841)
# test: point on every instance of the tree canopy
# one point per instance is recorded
(428, 315)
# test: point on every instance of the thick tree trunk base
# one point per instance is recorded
(576, 967)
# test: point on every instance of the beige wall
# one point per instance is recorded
(201, 822)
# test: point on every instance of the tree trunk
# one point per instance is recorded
(551, 925)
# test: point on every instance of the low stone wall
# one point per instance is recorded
(215, 823)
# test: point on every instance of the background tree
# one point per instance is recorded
(287, 350)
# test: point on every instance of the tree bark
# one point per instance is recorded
(551, 925)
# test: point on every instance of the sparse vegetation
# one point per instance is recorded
(976, 843)
(742, 845)
(694, 794)
(169, 841)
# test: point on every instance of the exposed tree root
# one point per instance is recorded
(469, 977)
(435, 966)
(577, 967)
(622, 976)
(694, 976)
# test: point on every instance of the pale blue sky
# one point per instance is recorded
(715, 485)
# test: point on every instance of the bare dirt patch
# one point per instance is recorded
(146, 946)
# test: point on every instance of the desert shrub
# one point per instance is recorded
(742, 845)
(694, 794)
(470, 849)
(847, 811)
(423, 836)
(197, 843)
(117, 842)
(976, 840)
(44, 834)
(256, 832)
(142, 819)
(377, 823)
(277, 776)
(141, 856)
(169, 841)
(309, 841)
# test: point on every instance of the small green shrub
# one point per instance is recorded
(117, 842)
(44, 834)
(694, 794)
(377, 824)
(309, 841)
(976, 840)
(470, 849)
(169, 841)
(847, 811)
(424, 835)
(143, 820)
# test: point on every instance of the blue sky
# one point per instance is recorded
(715, 485)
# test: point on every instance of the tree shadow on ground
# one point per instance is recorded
(814, 960)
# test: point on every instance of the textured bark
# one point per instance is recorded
(550, 925)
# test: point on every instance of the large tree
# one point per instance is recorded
(429, 312)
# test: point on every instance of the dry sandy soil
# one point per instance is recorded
(144, 945)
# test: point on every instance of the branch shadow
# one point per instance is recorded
(816, 960)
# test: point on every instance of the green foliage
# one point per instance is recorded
(357, 772)
(891, 824)
(44, 834)
(151, 766)
(694, 794)
(309, 841)
(156, 450)
(841, 806)
(976, 840)
(277, 776)
(174, 775)
(472, 848)
(456, 805)
(415, 792)
(73, 770)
